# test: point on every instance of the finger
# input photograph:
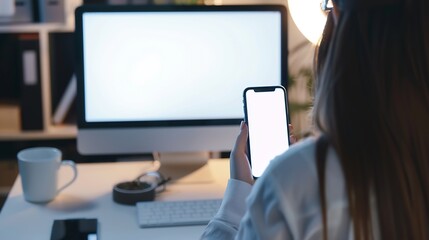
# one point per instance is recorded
(239, 163)
(241, 142)
(291, 135)
(292, 139)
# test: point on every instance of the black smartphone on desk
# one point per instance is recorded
(266, 115)
(75, 229)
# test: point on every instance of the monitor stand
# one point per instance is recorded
(185, 167)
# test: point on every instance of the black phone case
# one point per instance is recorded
(261, 89)
(74, 229)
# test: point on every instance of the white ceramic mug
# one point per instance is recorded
(38, 168)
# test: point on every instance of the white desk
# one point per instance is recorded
(90, 196)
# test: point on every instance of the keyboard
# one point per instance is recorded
(176, 213)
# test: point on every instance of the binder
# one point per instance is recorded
(7, 8)
(63, 87)
(9, 72)
(31, 90)
(61, 11)
(118, 2)
(23, 13)
(52, 11)
(66, 101)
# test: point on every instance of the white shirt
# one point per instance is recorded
(284, 202)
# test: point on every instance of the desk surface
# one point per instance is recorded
(90, 196)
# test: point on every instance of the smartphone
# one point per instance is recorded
(75, 229)
(266, 115)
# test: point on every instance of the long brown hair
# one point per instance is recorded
(372, 107)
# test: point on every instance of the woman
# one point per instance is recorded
(366, 174)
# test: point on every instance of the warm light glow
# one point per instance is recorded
(308, 17)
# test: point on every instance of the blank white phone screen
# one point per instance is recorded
(268, 128)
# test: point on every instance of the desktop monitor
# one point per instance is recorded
(171, 78)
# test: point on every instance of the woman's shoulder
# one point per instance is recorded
(304, 148)
(295, 171)
(291, 184)
(301, 156)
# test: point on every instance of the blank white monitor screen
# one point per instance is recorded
(176, 67)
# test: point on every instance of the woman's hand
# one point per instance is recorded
(292, 137)
(239, 162)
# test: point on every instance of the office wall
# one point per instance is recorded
(301, 53)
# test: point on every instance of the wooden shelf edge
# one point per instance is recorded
(34, 27)
(54, 132)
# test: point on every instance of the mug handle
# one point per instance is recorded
(73, 166)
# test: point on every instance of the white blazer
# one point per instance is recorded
(284, 202)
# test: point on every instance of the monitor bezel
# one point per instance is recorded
(80, 11)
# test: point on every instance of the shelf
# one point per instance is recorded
(34, 27)
(54, 132)
(50, 132)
